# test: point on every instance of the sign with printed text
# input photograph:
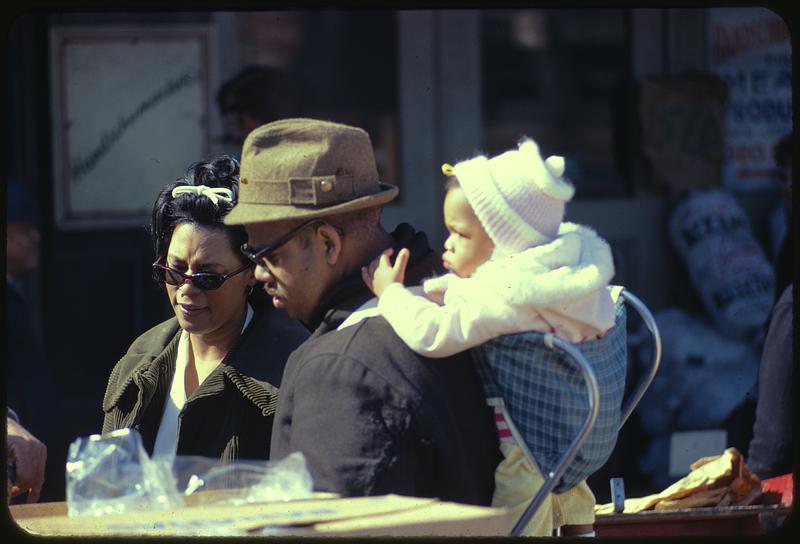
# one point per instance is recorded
(129, 109)
(750, 50)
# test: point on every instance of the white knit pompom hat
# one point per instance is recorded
(518, 197)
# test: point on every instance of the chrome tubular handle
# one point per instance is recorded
(645, 382)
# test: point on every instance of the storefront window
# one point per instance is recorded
(556, 75)
(342, 66)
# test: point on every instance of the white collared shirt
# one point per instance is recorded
(167, 437)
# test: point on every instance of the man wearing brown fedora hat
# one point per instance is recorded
(370, 415)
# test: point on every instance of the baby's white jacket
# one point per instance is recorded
(559, 287)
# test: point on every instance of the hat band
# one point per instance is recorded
(313, 191)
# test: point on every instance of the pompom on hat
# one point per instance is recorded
(518, 197)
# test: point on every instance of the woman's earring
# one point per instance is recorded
(250, 290)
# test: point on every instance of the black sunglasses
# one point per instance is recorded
(202, 280)
(261, 256)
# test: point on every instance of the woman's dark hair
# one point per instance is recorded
(198, 209)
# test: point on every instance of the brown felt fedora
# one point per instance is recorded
(306, 168)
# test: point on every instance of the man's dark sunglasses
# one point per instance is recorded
(259, 256)
(202, 280)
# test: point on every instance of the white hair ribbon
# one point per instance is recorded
(214, 194)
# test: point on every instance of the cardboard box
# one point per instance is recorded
(361, 516)
(41, 509)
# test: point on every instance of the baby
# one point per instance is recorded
(514, 267)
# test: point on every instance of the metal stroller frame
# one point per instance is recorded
(566, 458)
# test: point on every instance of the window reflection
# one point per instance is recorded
(340, 66)
(554, 75)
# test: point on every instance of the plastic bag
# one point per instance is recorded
(702, 378)
(243, 482)
(112, 474)
(703, 375)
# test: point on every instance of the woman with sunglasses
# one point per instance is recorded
(205, 381)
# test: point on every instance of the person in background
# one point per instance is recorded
(370, 415)
(254, 96)
(771, 449)
(30, 387)
(26, 458)
(784, 263)
(204, 382)
(770, 452)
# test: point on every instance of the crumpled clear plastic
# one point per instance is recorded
(243, 482)
(112, 474)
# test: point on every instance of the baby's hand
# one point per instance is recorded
(381, 273)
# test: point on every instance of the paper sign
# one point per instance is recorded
(750, 49)
(687, 447)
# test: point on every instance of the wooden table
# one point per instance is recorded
(718, 521)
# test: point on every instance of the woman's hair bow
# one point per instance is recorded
(214, 194)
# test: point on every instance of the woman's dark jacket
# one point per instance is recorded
(229, 416)
(373, 417)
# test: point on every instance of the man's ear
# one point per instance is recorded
(251, 281)
(332, 242)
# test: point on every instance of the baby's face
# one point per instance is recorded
(468, 245)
